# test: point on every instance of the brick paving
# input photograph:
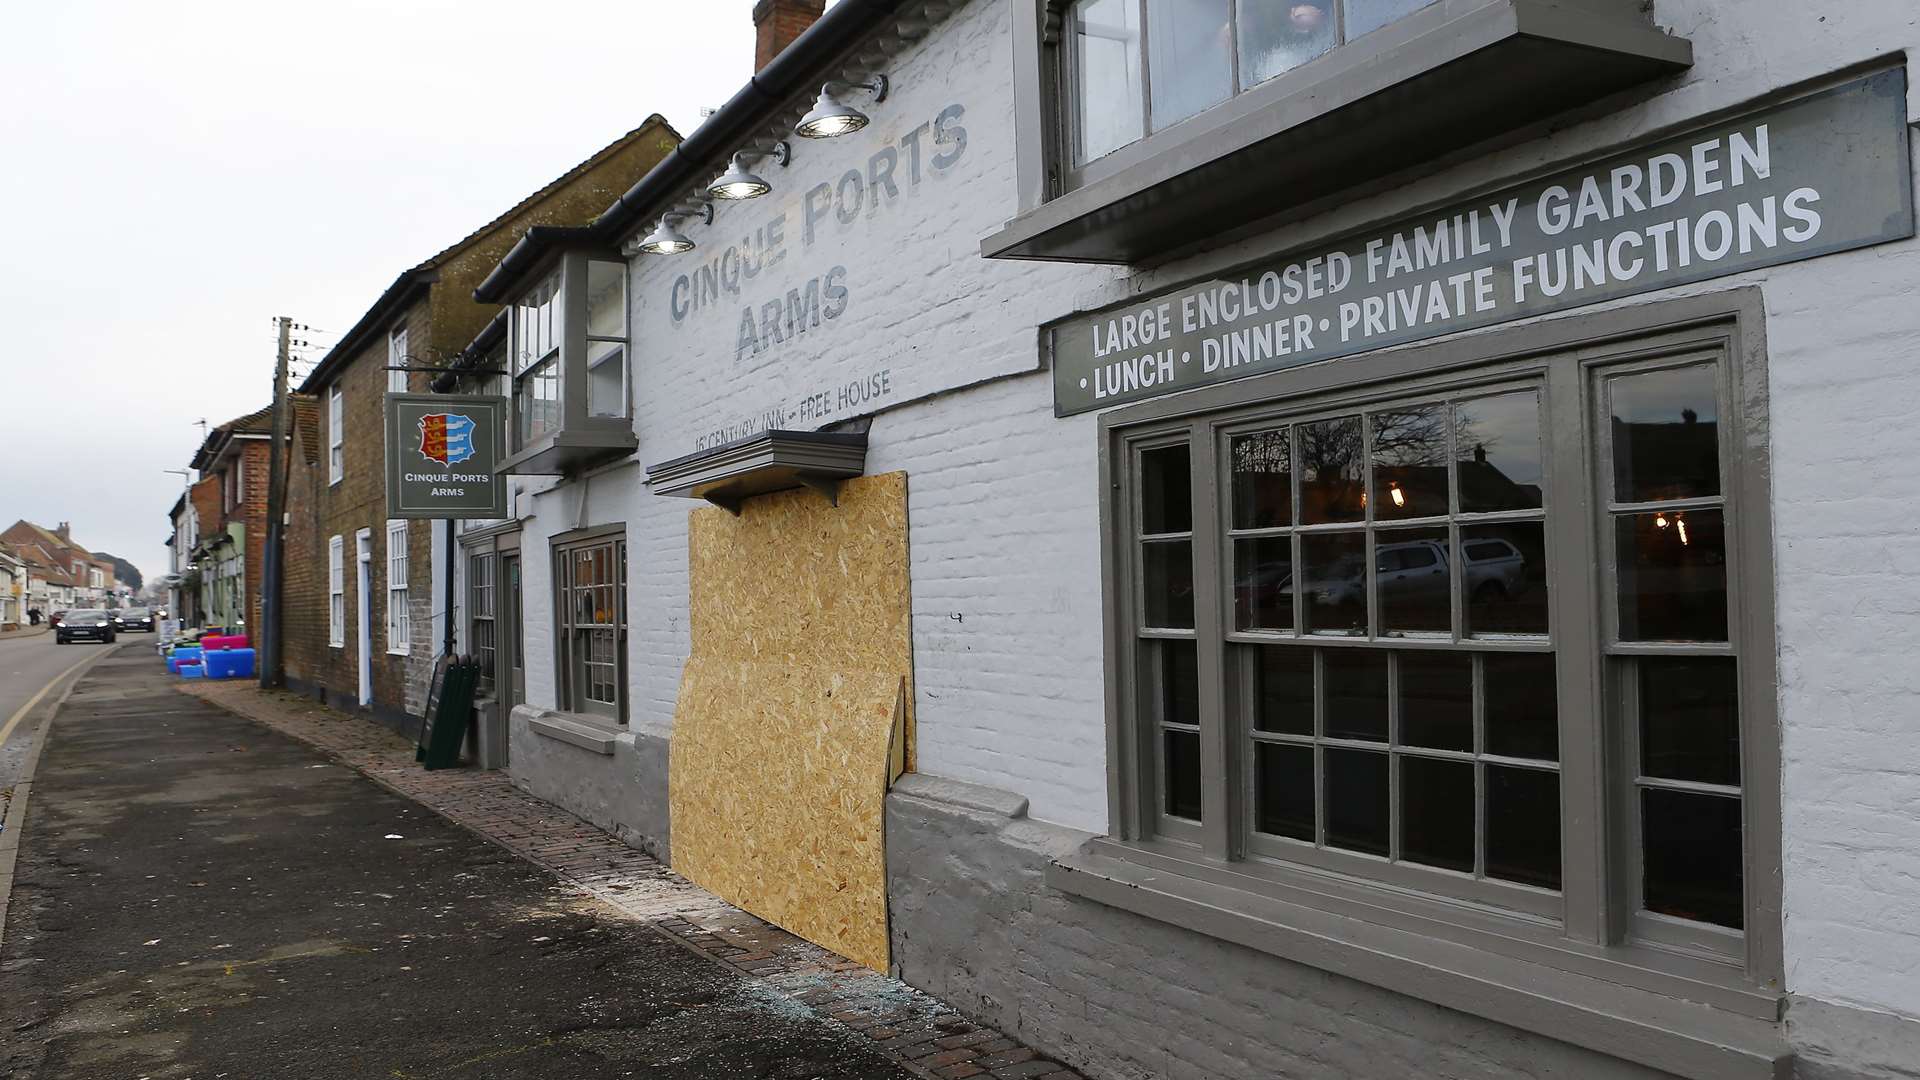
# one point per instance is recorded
(921, 1033)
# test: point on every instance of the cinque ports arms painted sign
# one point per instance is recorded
(1824, 173)
(443, 456)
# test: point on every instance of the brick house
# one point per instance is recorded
(78, 577)
(230, 500)
(360, 615)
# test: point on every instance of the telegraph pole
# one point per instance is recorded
(272, 619)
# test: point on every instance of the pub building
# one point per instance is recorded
(1334, 538)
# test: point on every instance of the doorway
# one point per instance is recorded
(363, 622)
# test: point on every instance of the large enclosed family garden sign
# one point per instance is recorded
(1825, 173)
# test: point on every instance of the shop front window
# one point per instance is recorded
(1394, 638)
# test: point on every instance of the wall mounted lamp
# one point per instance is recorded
(667, 240)
(740, 183)
(831, 116)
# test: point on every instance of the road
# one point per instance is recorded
(28, 668)
(199, 897)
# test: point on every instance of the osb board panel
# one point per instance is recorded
(778, 776)
(798, 686)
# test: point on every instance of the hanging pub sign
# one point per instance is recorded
(1824, 173)
(443, 456)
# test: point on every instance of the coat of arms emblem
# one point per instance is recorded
(446, 438)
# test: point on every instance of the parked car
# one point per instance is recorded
(92, 624)
(133, 619)
(54, 619)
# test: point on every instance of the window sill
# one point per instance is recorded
(574, 448)
(575, 730)
(1437, 80)
(1661, 1031)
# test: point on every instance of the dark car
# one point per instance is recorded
(133, 619)
(90, 624)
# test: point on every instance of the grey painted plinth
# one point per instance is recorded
(1119, 995)
(617, 781)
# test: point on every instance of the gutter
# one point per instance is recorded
(795, 70)
(492, 334)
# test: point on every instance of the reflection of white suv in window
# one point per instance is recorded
(1495, 569)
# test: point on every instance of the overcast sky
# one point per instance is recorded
(177, 174)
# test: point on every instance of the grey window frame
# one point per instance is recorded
(482, 613)
(1596, 941)
(568, 695)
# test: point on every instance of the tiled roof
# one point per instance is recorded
(306, 426)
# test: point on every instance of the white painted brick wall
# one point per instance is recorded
(1003, 497)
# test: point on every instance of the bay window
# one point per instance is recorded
(1485, 652)
(567, 347)
(1146, 128)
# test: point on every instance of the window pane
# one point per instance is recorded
(1436, 812)
(1166, 491)
(1331, 487)
(1189, 57)
(1366, 16)
(1357, 800)
(1283, 694)
(1183, 773)
(1692, 868)
(606, 299)
(1263, 583)
(1356, 693)
(1283, 790)
(1436, 700)
(1498, 442)
(1504, 571)
(1173, 674)
(1168, 565)
(1523, 826)
(1673, 576)
(1262, 480)
(606, 378)
(1689, 719)
(1521, 715)
(1410, 571)
(1409, 463)
(1336, 582)
(1108, 101)
(1665, 434)
(537, 402)
(1276, 36)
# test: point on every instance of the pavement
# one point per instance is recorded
(201, 895)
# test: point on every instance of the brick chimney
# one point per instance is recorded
(63, 532)
(777, 22)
